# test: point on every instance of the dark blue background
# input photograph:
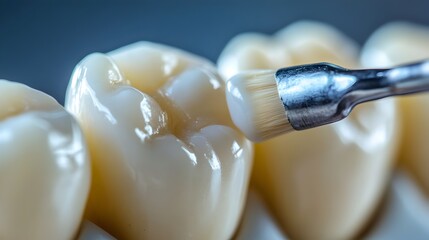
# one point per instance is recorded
(41, 41)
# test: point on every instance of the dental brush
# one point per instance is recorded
(264, 104)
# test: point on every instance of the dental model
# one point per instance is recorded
(321, 183)
(167, 162)
(393, 44)
(44, 166)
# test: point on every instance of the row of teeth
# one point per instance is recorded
(153, 153)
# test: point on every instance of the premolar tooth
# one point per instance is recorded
(153, 177)
(44, 167)
(322, 183)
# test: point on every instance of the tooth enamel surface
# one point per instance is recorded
(44, 167)
(398, 43)
(311, 42)
(300, 43)
(166, 162)
(259, 52)
(322, 183)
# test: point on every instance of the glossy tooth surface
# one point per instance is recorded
(322, 183)
(166, 163)
(44, 166)
(398, 43)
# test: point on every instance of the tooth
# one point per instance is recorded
(167, 163)
(394, 44)
(44, 169)
(322, 183)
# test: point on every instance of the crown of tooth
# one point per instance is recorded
(322, 183)
(260, 52)
(166, 161)
(311, 42)
(16, 99)
(44, 170)
(394, 44)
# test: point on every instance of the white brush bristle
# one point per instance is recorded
(255, 105)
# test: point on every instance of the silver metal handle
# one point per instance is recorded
(318, 94)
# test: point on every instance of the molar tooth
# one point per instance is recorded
(322, 183)
(44, 167)
(184, 181)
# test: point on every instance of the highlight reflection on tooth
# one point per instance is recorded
(167, 162)
(44, 168)
(322, 183)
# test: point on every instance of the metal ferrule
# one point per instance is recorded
(318, 94)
